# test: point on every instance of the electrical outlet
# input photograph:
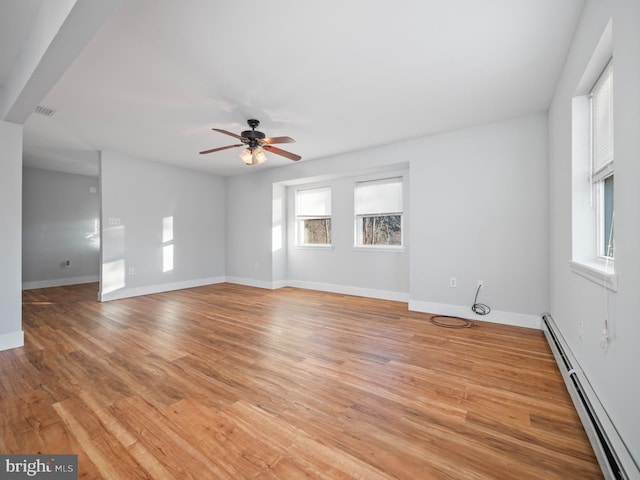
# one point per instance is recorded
(453, 283)
(131, 271)
(481, 284)
(581, 330)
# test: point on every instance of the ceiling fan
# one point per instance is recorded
(256, 143)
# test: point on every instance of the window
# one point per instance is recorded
(592, 168)
(378, 210)
(313, 216)
(601, 102)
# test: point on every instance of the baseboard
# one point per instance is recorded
(495, 316)
(251, 282)
(280, 284)
(151, 289)
(11, 340)
(349, 290)
(60, 282)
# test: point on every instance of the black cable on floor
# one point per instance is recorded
(465, 323)
(478, 309)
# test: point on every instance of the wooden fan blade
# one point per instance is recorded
(221, 148)
(228, 133)
(272, 140)
(284, 153)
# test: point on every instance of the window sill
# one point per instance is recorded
(383, 249)
(315, 247)
(596, 272)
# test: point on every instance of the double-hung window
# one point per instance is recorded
(601, 103)
(592, 168)
(378, 211)
(313, 216)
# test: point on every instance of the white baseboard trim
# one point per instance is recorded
(252, 282)
(348, 290)
(279, 284)
(495, 316)
(151, 289)
(60, 282)
(11, 340)
(323, 287)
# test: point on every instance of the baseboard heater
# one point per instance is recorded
(615, 460)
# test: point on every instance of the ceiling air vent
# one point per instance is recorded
(46, 111)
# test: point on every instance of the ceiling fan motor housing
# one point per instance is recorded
(252, 135)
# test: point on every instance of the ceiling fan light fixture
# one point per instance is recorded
(258, 154)
(251, 156)
(246, 156)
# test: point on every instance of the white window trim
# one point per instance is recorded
(381, 248)
(298, 218)
(600, 272)
(602, 239)
(315, 246)
(601, 168)
(585, 260)
(299, 244)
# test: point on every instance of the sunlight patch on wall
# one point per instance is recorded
(167, 229)
(276, 238)
(94, 235)
(113, 276)
(167, 241)
(167, 258)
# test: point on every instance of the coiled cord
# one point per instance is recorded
(480, 308)
(465, 323)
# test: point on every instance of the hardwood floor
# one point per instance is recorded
(233, 382)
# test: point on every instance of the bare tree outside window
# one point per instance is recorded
(382, 230)
(317, 231)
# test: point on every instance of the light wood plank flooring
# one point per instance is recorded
(232, 382)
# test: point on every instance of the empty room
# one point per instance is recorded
(328, 240)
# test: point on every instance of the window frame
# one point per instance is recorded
(359, 217)
(605, 250)
(602, 170)
(301, 219)
(584, 259)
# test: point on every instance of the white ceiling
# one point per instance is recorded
(335, 75)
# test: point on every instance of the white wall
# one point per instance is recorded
(575, 299)
(137, 197)
(341, 267)
(60, 221)
(251, 258)
(279, 241)
(479, 202)
(478, 209)
(11, 335)
(249, 230)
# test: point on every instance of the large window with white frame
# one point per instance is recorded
(313, 216)
(592, 168)
(602, 157)
(378, 213)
